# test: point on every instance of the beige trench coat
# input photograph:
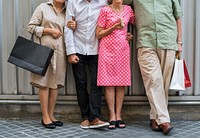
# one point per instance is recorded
(46, 15)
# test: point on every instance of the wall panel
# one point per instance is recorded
(8, 38)
(196, 80)
(189, 25)
(1, 35)
(15, 16)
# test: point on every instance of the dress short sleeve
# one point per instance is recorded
(102, 18)
(132, 15)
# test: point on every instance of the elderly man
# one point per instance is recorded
(158, 26)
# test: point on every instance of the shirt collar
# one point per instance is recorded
(50, 2)
(85, 0)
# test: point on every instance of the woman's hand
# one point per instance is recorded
(72, 25)
(102, 32)
(118, 26)
(129, 37)
(55, 33)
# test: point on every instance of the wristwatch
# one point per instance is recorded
(180, 42)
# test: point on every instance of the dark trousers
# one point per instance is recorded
(89, 102)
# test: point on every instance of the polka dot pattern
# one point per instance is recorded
(114, 49)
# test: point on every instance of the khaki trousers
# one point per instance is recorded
(156, 68)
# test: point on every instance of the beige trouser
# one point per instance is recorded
(156, 68)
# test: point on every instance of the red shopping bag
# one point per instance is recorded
(187, 77)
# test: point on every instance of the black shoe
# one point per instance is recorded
(50, 126)
(58, 123)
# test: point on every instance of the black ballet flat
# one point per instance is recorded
(58, 123)
(50, 126)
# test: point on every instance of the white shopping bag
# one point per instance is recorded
(177, 82)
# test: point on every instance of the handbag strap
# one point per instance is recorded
(32, 39)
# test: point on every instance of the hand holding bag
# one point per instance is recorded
(30, 56)
(180, 78)
(177, 81)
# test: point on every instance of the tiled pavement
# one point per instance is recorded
(135, 129)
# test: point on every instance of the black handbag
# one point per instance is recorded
(30, 56)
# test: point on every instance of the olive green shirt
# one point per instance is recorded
(156, 23)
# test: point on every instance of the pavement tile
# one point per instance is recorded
(136, 129)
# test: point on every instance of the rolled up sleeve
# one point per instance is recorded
(176, 9)
(35, 22)
(39, 31)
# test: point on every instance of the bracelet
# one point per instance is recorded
(180, 42)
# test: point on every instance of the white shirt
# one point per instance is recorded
(83, 40)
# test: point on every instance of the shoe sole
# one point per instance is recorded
(156, 129)
(166, 133)
(100, 126)
(84, 127)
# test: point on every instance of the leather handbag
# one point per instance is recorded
(31, 56)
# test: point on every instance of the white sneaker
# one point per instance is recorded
(85, 124)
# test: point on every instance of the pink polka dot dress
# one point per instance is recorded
(114, 50)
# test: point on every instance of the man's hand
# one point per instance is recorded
(179, 47)
(73, 59)
(178, 53)
(129, 37)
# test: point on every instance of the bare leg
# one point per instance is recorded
(44, 98)
(110, 99)
(119, 101)
(52, 102)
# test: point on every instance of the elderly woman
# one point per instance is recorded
(47, 25)
(114, 57)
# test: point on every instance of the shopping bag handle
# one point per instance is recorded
(178, 55)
